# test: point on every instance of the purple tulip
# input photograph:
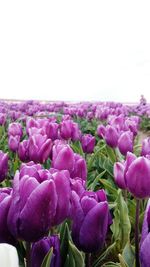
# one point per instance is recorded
(132, 126)
(78, 185)
(88, 143)
(31, 123)
(130, 157)
(63, 191)
(62, 157)
(52, 130)
(76, 133)
(119, 169)
(90, 222)
(2, 118)
(3, 165)
(117, 121)
(145, 239)
(69, 130)
(23, 150)
(80, 168)
(101, 131)
(40, 199)
(41, 248)
(145, 253)
(39, 148)
(32, 170)
(5, 201)
(34, 130)
(146, 147)
(111, 136)
(13, 142)
(32, 207)
(138, 177)
(125, 142)
(14, 129)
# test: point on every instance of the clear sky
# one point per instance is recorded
(75, 50)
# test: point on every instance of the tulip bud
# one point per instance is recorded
(34, 130)
(62, 157)
(101, 131)
(39, 148)
(32, 208)
(146, 147)
(90, 222)
(111, 136)
(88, 143)
(2, 118)
(119, 169)
(80, 168)
(31, 123)
(144, 252)
(78, 185)
(125, 142)
(63, 191)
(52, 130)
(14, 129)
(3, 165)
(145, 238)
(138, 177)
(13, 142)
(69, 130)
(23, 150)
(41, 248)
(5, 200)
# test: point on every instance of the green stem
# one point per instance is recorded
(125, 194)
(87, 260)
(137, 233)
(28, 254)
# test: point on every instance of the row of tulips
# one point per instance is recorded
(74, 184)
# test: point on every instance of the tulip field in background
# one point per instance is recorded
(75, 183)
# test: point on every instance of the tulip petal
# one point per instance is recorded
(35, 218)
(63, 190)
(94, 228)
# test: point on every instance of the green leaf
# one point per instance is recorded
(47, 259)
(106, 164)
(129, 255)
(109, 253)
(64, 238)
(111, 154)
(96, 180)
(121, 226)
(77, 255)
(111, 264)
(77, 148)
(69, 261)
(122, 261)
(94, 156)
(108, 186)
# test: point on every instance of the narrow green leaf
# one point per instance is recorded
(111, 154)
(121, 226)
(77, 255)
(129, 255)
(47, 259)
(64, 239)
(108, 186)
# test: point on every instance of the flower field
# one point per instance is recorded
(75, 183)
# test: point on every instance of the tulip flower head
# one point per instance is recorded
(41, 248)
(3, 165)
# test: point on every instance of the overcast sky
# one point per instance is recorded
(75, 50)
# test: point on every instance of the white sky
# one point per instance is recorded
(75, 50)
